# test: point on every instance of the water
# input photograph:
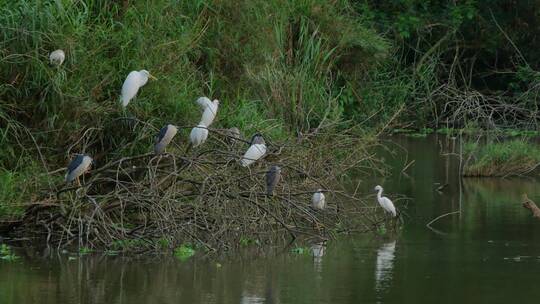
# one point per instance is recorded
(490, 252)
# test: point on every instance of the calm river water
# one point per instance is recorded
(489, 253)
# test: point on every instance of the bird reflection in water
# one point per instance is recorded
(317, 250)
(384, 266)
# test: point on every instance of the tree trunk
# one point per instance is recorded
(529, 204)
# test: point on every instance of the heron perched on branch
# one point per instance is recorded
(272, 179)
(57, 57)
(385, 202)
(198, 135)
(318, 201)
(134, 81)
(256, 150)
(209, 113)
(77, 167)
(164, 137)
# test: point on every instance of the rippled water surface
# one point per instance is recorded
(488, 253)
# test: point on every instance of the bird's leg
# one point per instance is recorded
(78, 181)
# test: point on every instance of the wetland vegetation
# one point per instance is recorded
(321, 79)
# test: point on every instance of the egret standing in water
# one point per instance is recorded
(209, 113)
(318, 201)
(134, 81)
(272, 179)
(198, 135)
(164, 138)
(256, 150)
(203, 102)
(77, 167)
(385, 202)
(57, 57)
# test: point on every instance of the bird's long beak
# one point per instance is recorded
(152, 76)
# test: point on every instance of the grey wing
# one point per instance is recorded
(161, 133)
(75, 163)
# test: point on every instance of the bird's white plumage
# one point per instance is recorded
(203, 102)
(318, 201)
(253, 153)
(385, 202)
(198, 135)
(57, 57)
(134, 81)
(209, 113)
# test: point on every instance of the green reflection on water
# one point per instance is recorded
(490, 252)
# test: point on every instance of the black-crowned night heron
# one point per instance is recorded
(164, 138)
(256, 150)
(209, 113)
(272, 179)
(385, 202)
(78, 167)
(198, 135)
(318, 201)
(203, 102)
(57, 57)
(233, 134)
(134, 81)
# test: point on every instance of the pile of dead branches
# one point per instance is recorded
(204, 196)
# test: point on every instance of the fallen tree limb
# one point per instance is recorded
(529, 204)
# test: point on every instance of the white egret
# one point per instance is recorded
(134, 81)
(203, 102)
(209, 113)
(164, 138)
(385, 202)
(198, 135)
(77, 167)
(57, 57)
(256, 151)
(318, 201)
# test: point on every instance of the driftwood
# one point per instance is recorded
(529, 204)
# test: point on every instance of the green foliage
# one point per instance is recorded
(247, 242)
(7, 254)
(301, 250)
(85, 250)
(184, 252)
(381, 229)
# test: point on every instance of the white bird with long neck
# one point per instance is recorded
(57, 57)
(134, 81)
(256, 151)
(209, 113)
(385, 202)
(198, 135)
(318, 201)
